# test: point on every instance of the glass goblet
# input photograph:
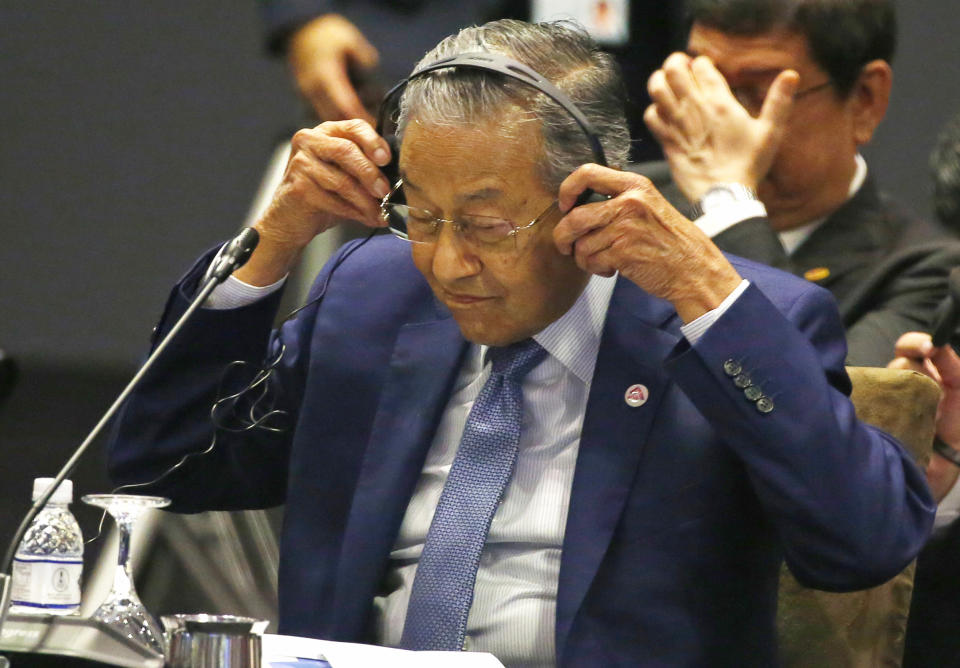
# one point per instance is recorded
(122, 609)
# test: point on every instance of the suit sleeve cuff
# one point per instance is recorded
(234, 293)
(723, 218)
(694, 329)
(948, 510)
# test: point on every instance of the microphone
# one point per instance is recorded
(235, 254)
(947, 316)
(231, 258)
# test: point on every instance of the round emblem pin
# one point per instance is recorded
(636, 395)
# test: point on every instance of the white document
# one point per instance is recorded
(351, 655)
(607, 21)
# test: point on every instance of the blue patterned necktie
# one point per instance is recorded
(443, 585)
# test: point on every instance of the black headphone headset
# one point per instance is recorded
(498, 64)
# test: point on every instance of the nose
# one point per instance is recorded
(453, 258)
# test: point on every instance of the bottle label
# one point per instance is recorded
(46, 583)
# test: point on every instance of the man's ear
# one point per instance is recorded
(869, 99)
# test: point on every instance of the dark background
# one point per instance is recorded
(133, 134)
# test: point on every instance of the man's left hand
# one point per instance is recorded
(639, 234)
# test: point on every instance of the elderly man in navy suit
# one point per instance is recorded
(565, 434)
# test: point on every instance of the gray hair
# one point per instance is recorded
(561, 52)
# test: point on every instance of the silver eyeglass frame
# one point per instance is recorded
(458, 226)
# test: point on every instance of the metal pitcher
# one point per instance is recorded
(212, 641)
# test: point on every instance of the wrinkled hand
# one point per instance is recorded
(320, 55)
(915, 351)
(638, 233)
(706, 134)
(333, 173)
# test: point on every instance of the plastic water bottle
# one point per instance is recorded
(49, 561)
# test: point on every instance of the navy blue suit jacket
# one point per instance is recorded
(681, 509)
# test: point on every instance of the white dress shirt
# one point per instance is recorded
(724, 217)
(514, 607)
(948, 510)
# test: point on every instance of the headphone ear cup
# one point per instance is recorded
(589, 197)
(392, 169)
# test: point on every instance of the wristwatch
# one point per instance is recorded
(724, 194)
(949, 453)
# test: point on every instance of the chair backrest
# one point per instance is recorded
(865, 628)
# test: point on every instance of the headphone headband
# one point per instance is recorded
(500, 64)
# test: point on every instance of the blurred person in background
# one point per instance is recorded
(932, 640)
(945, 165)
(935, 608)
(344, 55)
(827, 221)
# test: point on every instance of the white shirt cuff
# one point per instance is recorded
(949, 508)
(234, 293)
(695, 329)
(724, 217)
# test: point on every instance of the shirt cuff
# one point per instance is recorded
(234, 293)
(949, 508)
(724, 217)
(696, 328)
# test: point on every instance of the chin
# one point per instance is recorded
(493, 339)
(482, 333)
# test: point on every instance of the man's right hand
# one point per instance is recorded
(707, 136)
(333, 173)
(321, 54)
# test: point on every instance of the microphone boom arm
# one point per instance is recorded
(236, 253)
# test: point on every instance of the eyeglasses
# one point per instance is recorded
(752, 97)
(419, 226)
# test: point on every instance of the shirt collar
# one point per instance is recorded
(573, 339)
(792, 239)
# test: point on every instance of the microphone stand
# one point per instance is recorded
(231, 258)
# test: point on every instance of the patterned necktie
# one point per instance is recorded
(443, 585)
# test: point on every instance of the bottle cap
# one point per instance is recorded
(64, 493)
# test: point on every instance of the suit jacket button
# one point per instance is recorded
(765, 404)
(753, 393)
(732, 368)
(742, 381)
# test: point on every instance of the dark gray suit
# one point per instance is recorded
(886, 268)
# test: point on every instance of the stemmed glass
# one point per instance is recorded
(122, 609)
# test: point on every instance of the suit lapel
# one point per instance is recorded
(424, 365)
(633, 346)
(854, 237)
